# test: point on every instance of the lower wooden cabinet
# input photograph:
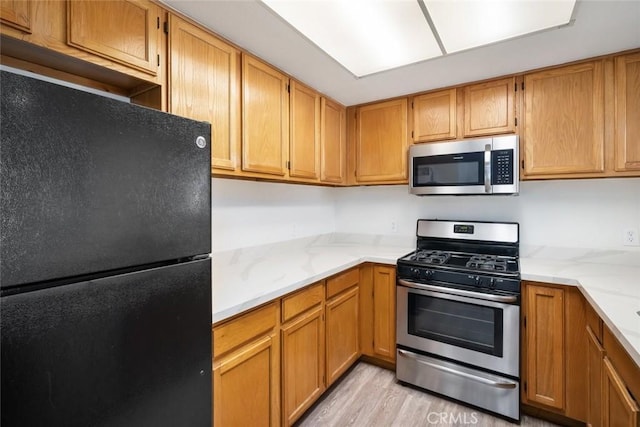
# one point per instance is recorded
(244, 391)
(342, 337)
(618, 407)
(302, 363)
(246, 370)
(595, 355)
(378, 312)
(554, 366)
(614, 378)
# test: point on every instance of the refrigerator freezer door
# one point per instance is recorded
(128, 350)
(90, 184)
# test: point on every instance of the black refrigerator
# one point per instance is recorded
(105, 273)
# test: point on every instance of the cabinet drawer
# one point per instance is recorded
(342, 281)
(301, 301)
(232, 334)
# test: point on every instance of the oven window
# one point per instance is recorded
(449, 169)
(471, 326)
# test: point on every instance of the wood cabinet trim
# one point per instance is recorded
(613, 381)
(18, 17)
(297, 143)
(326, 154)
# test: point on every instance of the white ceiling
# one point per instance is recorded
(600, 27)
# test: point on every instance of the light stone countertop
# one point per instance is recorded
(248, 277)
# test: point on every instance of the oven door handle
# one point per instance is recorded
(461, 292)
(496, 384)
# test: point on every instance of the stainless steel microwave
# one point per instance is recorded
(471, 166)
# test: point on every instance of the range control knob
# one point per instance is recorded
(428, 274)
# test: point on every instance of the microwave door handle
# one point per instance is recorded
(487, 168)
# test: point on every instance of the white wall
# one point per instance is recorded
(247, 213)
(568, 213)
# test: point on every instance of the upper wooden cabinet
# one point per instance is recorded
(564, 120)
(434, 116)
(489, 108)
(333, 147)
(304, 125)
(381, 142)
(16, 13)
(265, 118)
(204, 84)
(123, 31)
(627, 110)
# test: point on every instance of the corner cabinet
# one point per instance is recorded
(627, 109)
(564, 121)
(381, 143)
(265, 118)
(554, 339)
(204, 84)
(246, 362)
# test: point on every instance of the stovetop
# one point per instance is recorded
(480, 256)
(470, 262)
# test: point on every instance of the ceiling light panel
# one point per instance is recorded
(365, 36)
(465, 24)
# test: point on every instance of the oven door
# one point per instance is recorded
(466, 328)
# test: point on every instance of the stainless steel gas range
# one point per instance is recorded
(458, 314)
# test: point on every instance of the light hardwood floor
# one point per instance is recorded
(370, 396)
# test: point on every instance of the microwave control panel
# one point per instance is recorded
(502, 167)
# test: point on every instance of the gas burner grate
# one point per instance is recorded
(487, 262)
(431, 257)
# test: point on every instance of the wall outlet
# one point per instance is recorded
(630, 237)
(393, 226)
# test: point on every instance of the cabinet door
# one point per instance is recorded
(302, 364)
(265, 118)
(123, 31)
(545, 345)
(618, 407)
(489, 108)
(595, 355)
(205, 85)
(333, 149)
(245, 385)
(384, 312)
(434, 116)
(564, 120)
(304, 151)
(381, 142)
(627, 129)
(16, 13)
(342, 333)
